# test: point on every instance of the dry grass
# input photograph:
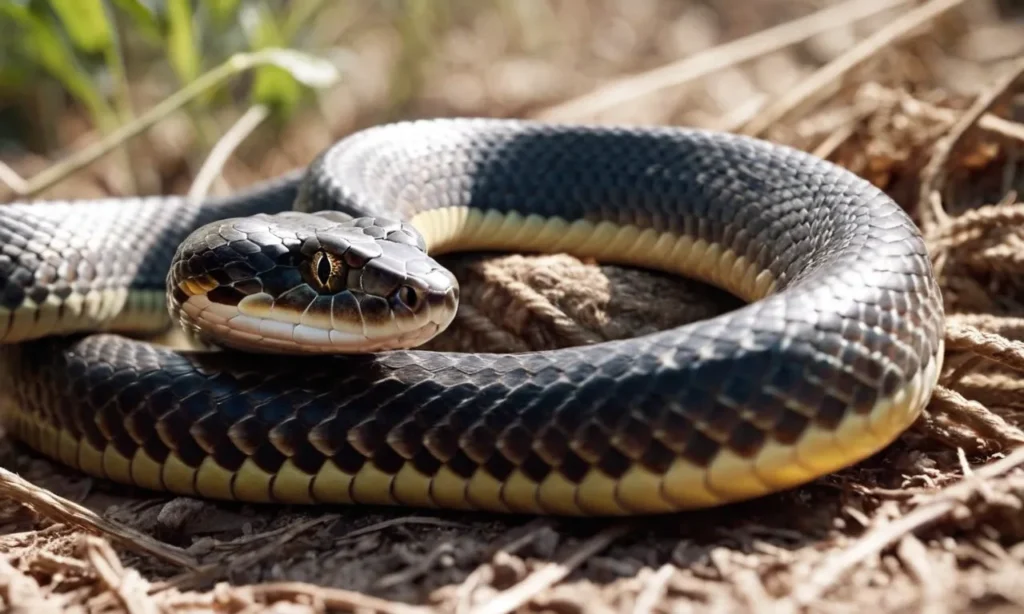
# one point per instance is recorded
(928, 106)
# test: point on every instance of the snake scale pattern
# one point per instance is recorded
(311, 292)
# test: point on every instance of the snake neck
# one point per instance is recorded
(110, 258)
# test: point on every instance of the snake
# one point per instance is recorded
(309, 296)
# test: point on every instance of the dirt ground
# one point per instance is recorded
(926, 99)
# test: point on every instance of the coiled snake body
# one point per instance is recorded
(835, 354)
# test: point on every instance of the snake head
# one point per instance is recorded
(310, 283)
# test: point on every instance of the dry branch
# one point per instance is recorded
(551, 573)
(815, 88)
(329, 598)
(880, 537)
(59, 509)
(715, 59)
(929, 202)
(226, 146)
(988, 345)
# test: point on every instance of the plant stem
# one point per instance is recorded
(233, 66)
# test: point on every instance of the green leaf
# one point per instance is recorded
(278, 84)
(145, 19)
(181, 43)
(85, 21)
(273, 85)
(309, 70)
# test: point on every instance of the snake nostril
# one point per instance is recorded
(409, 296)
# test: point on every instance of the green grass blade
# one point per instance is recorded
(40, 41)
(222, 11)
(182, 47)
(143, 18)
(85, 23)
(273, 86)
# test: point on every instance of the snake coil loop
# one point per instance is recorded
(319, 287)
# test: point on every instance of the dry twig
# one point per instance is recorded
(78, 160)
(990, 429)
(654, 590)
(327, 598)
(551, 573)
(816, 87)
(127, 585)
(21, 595)
(877, 539)
(218, 157)
(994, 347)
(929, 201)
(59, 509)
(716, 59)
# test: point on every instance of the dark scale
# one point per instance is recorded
(789, 427)
(573, 468)
(552, 445)
(110, 422)
(516, 443)
(306, 457)
(289, 436)
(462, 465)
(746, 439)
(832, 410)
(613, 463)
(497, 466)
(657, 458)
(139, 422)
(348, 459)
(443, 442)
(478, 442)
(428, 464)
(174, 429)
(700, 449)
(368, 437)
(633, 436)
(212, 432)
(248, 434)
(535, 468)
(590, 442)
(844, 385)
(268, 458)
(156, 449)
(388, 461)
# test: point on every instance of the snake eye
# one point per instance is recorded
(324, 273)
(323, 269)
(409, 296)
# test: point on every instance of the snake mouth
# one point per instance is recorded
(336, 324)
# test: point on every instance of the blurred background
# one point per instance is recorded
(74, 71)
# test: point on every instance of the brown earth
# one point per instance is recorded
(933, 523)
